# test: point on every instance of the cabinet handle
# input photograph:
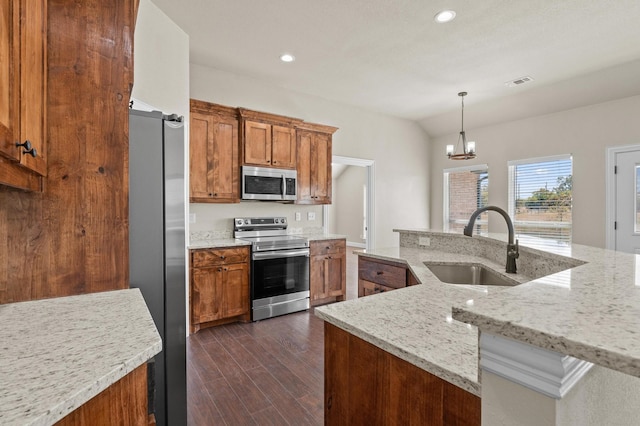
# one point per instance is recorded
(222, 257)
(219, 269)
(274, 162)
(379, 273)
(28, 149)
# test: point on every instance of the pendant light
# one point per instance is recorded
(468, 148)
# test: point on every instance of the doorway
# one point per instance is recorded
(362, 193)
(623, 199)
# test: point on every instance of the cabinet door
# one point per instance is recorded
(283, 149)
(33, 65)
(9, 83)
(321, 168)
(214, 169)
(235, 289)
(304, 167)
(336, 275)
(257, 143)
(317, 283)
(200, 158)
(206, 303)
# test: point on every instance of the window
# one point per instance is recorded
(465, 190)
(540, 199)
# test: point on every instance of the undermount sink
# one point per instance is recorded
(465, 273)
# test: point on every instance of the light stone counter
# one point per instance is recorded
(56, 354)
(217, 243)
(584, 303)
(415, 323)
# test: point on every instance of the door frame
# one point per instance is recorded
(370, 169)
(610, 181)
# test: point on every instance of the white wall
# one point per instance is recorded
(348, 209)
(584, 132)
(399, 147)
(161, 62)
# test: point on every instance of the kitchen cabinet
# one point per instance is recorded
(364, 384)
(268, 140)
(214, 154)
(219, 286)
(23, 74)
(314, 163)
(327, 271)
(378, 276)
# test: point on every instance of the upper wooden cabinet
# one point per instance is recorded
(23, 65)
(214, 160)
(314, 163)
(268, 140)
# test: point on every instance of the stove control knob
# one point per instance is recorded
(239, 222)
(247, 222)
(284, 220)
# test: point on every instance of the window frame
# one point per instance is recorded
(445, 190)
(511, 196)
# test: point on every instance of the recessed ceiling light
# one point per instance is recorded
(444, 16)
(287, 57)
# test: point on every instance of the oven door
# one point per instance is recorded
(276, 273)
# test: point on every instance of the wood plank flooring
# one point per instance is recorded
(268, 372)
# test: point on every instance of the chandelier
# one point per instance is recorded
(468, 148)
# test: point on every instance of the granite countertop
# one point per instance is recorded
(218, 242)
(56, 354)
(584, 303)
(415, 323)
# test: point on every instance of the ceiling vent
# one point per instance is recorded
(519, 81)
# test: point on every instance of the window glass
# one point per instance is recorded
(465, 190)
(540, 198)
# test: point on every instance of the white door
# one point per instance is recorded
(627, 204)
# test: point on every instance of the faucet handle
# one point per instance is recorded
(514, 250)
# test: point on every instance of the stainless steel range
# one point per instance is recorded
(279, 266)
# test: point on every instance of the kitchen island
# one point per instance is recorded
(58, 354)
(582, 304)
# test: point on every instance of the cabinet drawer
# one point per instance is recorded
(367, 288)
(212, 257)
(317, 248)
(382, 273)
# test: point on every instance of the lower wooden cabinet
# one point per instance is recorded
(327, 271)
(377, 276)
(219, 286)
(122, 403)
(365, 385)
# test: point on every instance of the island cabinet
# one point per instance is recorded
(23, 76)
(268, 140)
(214, 154)
(366, 385)
(377, 276)
(219, 286)
(314, 163)
(328, 271)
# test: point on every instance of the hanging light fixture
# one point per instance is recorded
(468, 148)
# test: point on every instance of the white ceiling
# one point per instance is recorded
(389, 56)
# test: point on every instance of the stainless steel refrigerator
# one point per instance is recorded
(157, 251)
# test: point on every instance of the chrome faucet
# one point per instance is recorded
(512, 248)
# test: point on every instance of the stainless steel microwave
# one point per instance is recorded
(268, 184)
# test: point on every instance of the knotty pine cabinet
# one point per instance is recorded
(327, 270)
(214, 171)
(268, 140)
(23, 88)
(378, 276)
(219, 291)
(314, 163)
(364, 384)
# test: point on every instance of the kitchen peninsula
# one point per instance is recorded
(582, 306)
(61, 356)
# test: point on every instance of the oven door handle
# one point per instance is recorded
(280, 254)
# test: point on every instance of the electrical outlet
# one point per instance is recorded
(298, 217)
(424, 241)
(192, 218)
(311, 215)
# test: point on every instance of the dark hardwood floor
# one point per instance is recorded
(268, 372)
